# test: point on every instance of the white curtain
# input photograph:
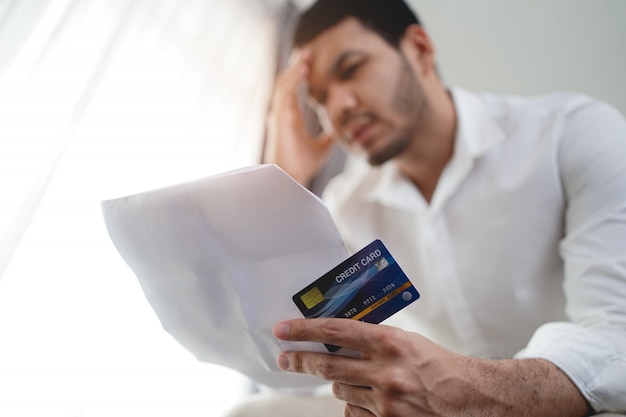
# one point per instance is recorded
(100, 99)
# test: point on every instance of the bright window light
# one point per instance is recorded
(105, 98)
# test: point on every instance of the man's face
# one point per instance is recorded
(368, 91)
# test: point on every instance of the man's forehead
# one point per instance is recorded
(349, 35)
(348, 30)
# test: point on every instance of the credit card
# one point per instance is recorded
(369, 286)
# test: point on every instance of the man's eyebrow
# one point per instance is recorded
(336, 67)
(319, 96)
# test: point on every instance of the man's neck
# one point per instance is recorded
(424, 162)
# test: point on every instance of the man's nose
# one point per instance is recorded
(341, 102)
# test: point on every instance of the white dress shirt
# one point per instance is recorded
(522, 249)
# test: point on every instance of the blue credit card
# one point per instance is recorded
(369, 286)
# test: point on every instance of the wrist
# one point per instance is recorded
(516, 387)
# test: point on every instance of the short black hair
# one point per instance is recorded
(388, 18)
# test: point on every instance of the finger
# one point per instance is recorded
(285, 90)
(339, 368)
(324, 140)
(356, 411)
(286, 97)
(351, 394)
(289, 77)
(352, 334)
(297, 54)
(301, 57)
(297, 69)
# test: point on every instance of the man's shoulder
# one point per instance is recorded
(528, 116)
(546, 104)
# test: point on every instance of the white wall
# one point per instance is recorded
(531, 46)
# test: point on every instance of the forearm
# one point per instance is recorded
(519, 388)
(402, 374)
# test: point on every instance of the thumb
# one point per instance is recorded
(324, 138)
(323, 142)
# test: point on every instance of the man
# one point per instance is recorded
(507, 213)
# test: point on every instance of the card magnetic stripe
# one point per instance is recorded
(382, 301)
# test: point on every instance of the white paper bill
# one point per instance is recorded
(220, 258)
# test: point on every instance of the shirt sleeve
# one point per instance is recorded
(591, 348)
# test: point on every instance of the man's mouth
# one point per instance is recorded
(359, 129)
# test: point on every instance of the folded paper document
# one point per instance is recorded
(220, 258)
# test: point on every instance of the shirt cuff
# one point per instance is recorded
(590, 357)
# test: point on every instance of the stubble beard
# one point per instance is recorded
(408, 101)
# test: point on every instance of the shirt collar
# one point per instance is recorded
(477, 130)
(477, 133)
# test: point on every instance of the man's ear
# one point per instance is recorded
(419, 49)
